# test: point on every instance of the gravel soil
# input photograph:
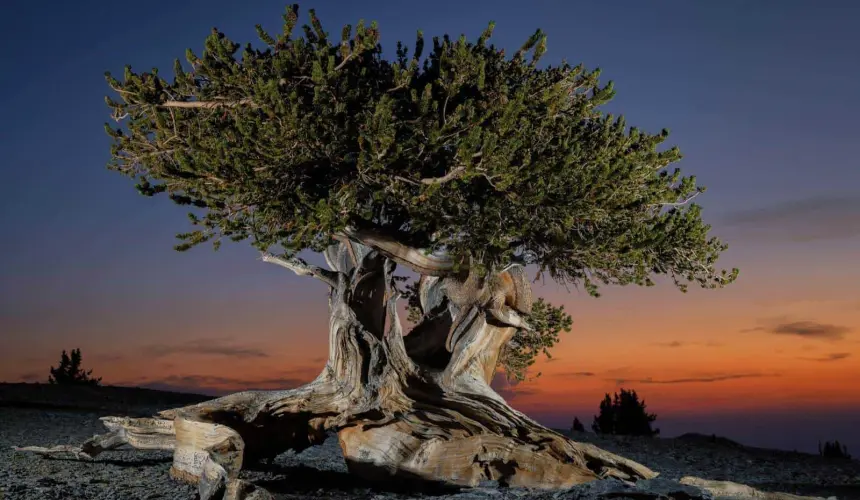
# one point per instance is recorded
(320, 472)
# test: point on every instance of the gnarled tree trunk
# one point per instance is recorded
(417, 407)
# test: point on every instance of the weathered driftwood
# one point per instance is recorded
(416, 407)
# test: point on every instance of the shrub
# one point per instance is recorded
(577, 425)
(624, 415)
(69, 371)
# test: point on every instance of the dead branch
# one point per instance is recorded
(419, 260)
(678, 203)
(209, 104)
(302, 268)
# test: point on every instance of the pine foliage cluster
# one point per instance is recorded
(492, 157)
(451, 145)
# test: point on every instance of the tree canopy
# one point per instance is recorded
(487, 157)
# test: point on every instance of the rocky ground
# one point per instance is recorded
(320, 472)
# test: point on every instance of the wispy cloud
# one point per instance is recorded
(808, 219)
(811, 329)
(509, 390)
(32, 377)
(694, 380)
(107, 358)
(617, 371)
(805, 329)
(574, 374)
(836, 356)
(680, 343)
(204, 347)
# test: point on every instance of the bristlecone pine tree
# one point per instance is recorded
(69, 371)
(464, 167)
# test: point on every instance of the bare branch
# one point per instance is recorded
(410, 181)
(345, 60)
(509, 316)
(209, 104)
(348, 244)
(679, 203)
(302, 268)
(419, 260)
(453, 174)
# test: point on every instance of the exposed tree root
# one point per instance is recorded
(140, 433)
(728, 489)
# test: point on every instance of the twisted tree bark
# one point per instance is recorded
(416, 407)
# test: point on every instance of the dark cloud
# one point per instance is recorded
(836, 356)
(205, 347)
(810, 329)
(817, 218)
(694, 380)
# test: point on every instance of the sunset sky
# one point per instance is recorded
(761, 97)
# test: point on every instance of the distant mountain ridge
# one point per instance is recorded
(113, 399)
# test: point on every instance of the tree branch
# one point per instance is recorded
(302, 268)
(344, 61)
(209, 104)
(453, 174)
(678, 203)
(419, 260)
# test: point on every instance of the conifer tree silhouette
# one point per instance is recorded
(833, 449)
(624, 415)
(69, 371)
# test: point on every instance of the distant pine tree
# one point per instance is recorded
(69, 371)
(624, 415)
(833, 449)
(577, 425)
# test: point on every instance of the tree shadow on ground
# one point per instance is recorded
(137, 462)
(841, 491)
(304, 479)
